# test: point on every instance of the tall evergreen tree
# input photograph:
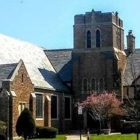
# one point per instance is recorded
(25, 124)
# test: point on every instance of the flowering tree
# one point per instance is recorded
(103, 106)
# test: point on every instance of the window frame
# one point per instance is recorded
(20, 106)
(98, 38)
(42, 116)
(88, 39)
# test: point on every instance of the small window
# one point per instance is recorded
(98, 38)
(101, 85)
(39, 106)
(85, 85)
(88, 39)
(22, 78)
(67, 107)
(93, 84)
(21, 107)
(54, 107)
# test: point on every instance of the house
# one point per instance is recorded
(51, 82)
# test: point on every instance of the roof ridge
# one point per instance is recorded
(67, 49)
(21, 40)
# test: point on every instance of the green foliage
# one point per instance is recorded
(46, 132)
(130, 127)
(25, 124)
(2, 127)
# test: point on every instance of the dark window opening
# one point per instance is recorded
(67, 108)
(88, 39)
(85, 86)
(101, 83)
(22, 78)
(93, 84)
(54, 103)
(98, 39)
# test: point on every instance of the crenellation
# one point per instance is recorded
(116, 19)
(79, 19)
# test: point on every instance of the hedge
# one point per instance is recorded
(46, 132)
(2, 137)
(130, 127)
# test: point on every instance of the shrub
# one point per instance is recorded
(130, 127)
(2, 137)
(46, 132)
(2, 127)
(25, 124)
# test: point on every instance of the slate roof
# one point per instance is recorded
(61, 60)
(6, 71)
(132, 70)
(38, 66)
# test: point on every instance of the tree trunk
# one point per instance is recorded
(100, 126)
(25, 137)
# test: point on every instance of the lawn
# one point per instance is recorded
(114, 137)
(58, 137)
(97, 137)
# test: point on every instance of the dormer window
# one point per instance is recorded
(98, 38)
(88, 39)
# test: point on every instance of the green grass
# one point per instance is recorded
(58, 137)
(114, 137)
(98, 137)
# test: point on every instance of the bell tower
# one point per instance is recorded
(98, 54)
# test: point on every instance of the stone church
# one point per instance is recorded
(50, 82)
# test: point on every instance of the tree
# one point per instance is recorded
(103, 106)
(25, 124)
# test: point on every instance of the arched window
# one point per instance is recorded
(98, 38)
(101, 84)
(88, 39)
(85, 85)
(93, 84)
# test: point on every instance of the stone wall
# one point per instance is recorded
(110, 25)
(22, 87)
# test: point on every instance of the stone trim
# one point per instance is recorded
(33, 95)
(13, 93)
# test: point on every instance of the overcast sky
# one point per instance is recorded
(49, 23)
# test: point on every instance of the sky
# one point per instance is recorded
(49, 23)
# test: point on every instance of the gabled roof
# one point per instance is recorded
(132, 71)
(61, 60)
(39, 68)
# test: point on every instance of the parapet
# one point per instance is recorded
(98, 17)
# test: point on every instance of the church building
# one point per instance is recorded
(51, 82)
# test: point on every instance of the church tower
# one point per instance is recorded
(98, 55)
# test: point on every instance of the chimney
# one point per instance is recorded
(130, 42)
